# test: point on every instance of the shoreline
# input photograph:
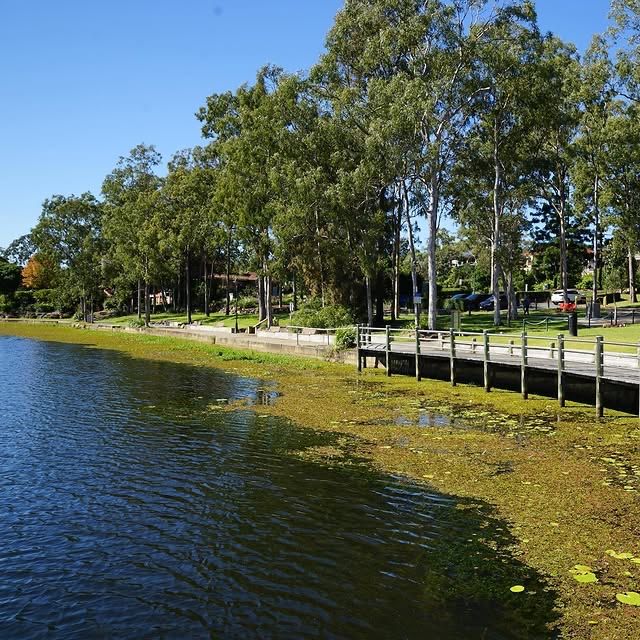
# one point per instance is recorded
(546, 474)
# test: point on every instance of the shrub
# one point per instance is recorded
(345, 338)
(311, 314)
(246, 302)
(136, 323)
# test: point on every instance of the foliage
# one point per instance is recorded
(345, 338)
(40, 272)
(10, 277)
(312, 314)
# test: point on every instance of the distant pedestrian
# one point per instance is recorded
(526, 303)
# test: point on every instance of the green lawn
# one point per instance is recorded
(215, 319)
(537, 328)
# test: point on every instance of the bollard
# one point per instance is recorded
(452, 339)
(598, 363)
(523, 367)
(561, 400)
(485, 361)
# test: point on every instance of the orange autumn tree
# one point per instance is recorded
(39, 272)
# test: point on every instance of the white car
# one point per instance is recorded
(573, 295)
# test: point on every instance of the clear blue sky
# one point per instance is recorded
(83, 81)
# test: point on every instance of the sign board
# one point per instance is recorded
(417, 299)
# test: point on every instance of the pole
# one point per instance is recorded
(561, 399)
(485, 360)
(598, 359)
(452, 345)
(523, 366)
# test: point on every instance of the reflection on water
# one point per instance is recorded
(132, 509)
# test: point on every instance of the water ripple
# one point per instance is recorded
(130, 510)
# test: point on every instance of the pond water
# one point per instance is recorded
(133, 506)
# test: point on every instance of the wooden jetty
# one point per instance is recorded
(593, 371)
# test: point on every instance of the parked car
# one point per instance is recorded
(573, 295)
(488, 304)
(472, 302)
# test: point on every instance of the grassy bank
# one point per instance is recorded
(567, 485)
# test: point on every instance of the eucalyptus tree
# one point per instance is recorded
(557, 128)
(187, 194)
(622, 169)
(626, 32)
(408, 74)
(245, 127)
(69, 232)
(133, 218)
(597, 96)
(495, 165)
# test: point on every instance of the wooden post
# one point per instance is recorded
(598, 363)
(561, 400)
(485, 358)
(357, 348)
(387, 350)
(510, 347)
(452, 353)
(418, 376)
(523, 367)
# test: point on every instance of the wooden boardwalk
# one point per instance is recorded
(610, 366)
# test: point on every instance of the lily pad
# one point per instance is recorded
(583, 568)
(629, 597)
(625, 555)
(518, 588)
(586, 577)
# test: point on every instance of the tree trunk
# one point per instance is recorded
(397, 223)
(369, 300)
(139, 300)
(511, 296)
(632, 274)
(596, 234)
(206, 286)
(320, 260)
(147, 306)
(187, 275)
(432, 225)
(294, 287)
(564, 275)
(262, 313)
(227, 307)
(267, 299)
(495, 238)
(414, 262)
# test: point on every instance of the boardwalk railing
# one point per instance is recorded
(592, 358)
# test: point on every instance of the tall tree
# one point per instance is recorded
(133, 218)
(69, 232)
